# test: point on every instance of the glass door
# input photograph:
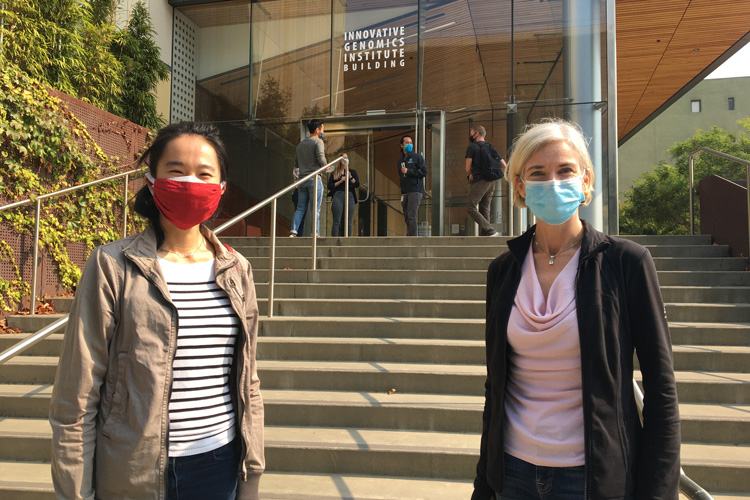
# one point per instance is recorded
(373, 146)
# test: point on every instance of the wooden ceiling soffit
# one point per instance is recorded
(661, 48)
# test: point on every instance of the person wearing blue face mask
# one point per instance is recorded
(567, 306)
(412, 171)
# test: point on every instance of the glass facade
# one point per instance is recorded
(375, 71)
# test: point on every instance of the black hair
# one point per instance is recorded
(144, 201)
(314, 125)
(404, 137)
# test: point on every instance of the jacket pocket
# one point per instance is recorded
(119, 398)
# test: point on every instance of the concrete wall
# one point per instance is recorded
(644, 150)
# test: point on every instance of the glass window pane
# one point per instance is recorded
(219, 41)
(375, 56)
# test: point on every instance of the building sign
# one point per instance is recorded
(374, 49)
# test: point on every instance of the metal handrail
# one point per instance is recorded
(692, 182)
(48, 330)
(688, 487)
(32, 339)
(38, 200)
(272, 200)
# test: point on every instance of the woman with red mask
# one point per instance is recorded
(157, 393)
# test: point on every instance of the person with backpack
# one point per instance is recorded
(484, 166)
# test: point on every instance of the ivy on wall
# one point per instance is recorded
(45, 148)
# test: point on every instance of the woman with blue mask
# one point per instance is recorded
(567, 306)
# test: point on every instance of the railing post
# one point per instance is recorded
(747, 175)
(314, 228)
(272, 259)
(690, 173)
(35, 264)
(125, 207)
(346, 200)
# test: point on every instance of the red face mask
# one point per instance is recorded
(185, 201)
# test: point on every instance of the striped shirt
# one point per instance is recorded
(201, 415)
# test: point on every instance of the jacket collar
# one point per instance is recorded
(592, 243)
(143, 249)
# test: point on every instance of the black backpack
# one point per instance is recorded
(489, 164)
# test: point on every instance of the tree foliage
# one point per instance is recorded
(58, 43)
(142, 69)
(74, 46)
(659, 202)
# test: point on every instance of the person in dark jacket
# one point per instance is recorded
(337, 191)
(566, 308)
(412, 171)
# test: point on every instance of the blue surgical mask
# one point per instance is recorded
(320, 136)
(555, 201)
(409, 148)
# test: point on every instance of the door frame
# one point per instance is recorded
(420, 122)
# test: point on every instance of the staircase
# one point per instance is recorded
(372, 369)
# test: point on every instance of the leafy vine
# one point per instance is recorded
(45, 148)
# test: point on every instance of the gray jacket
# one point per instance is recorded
(109, 404)
(310, 155)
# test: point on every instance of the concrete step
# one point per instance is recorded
(431, 351)
(370, 376)
(360, 450)
(717, 467)
(707, 423)
(318, 450)
(704, 278)
(704, 313)
(676, 294)
(710, 387)
(712, 358)
(394, 308)
(687, 333)
(424, 339)
(461, 251)
(706, 294)
(479, 263)
(306, 242)
(31, 481)
(425, 308)
(470, 277)
(436, 351)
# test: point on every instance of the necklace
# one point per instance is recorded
(185, 255)
(551, 256)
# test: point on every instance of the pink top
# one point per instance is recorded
(543, 401)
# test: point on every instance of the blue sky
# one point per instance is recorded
(737, 65)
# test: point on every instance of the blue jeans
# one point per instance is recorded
(337, 212)
(525, 481)
(305, 194)
(213, 474)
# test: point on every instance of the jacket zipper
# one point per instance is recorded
(584, 385)
(240, 390)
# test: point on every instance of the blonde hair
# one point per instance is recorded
(538, 135)
(340, 169)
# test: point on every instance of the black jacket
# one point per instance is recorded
(619, 309)
(416, 170)
(332, 187)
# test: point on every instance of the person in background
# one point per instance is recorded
(567, 306)
(480, 194)
(295, 200)
(336, 190)
(157, 392)
(412, 171)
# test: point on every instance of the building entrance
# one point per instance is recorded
(372, 143)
